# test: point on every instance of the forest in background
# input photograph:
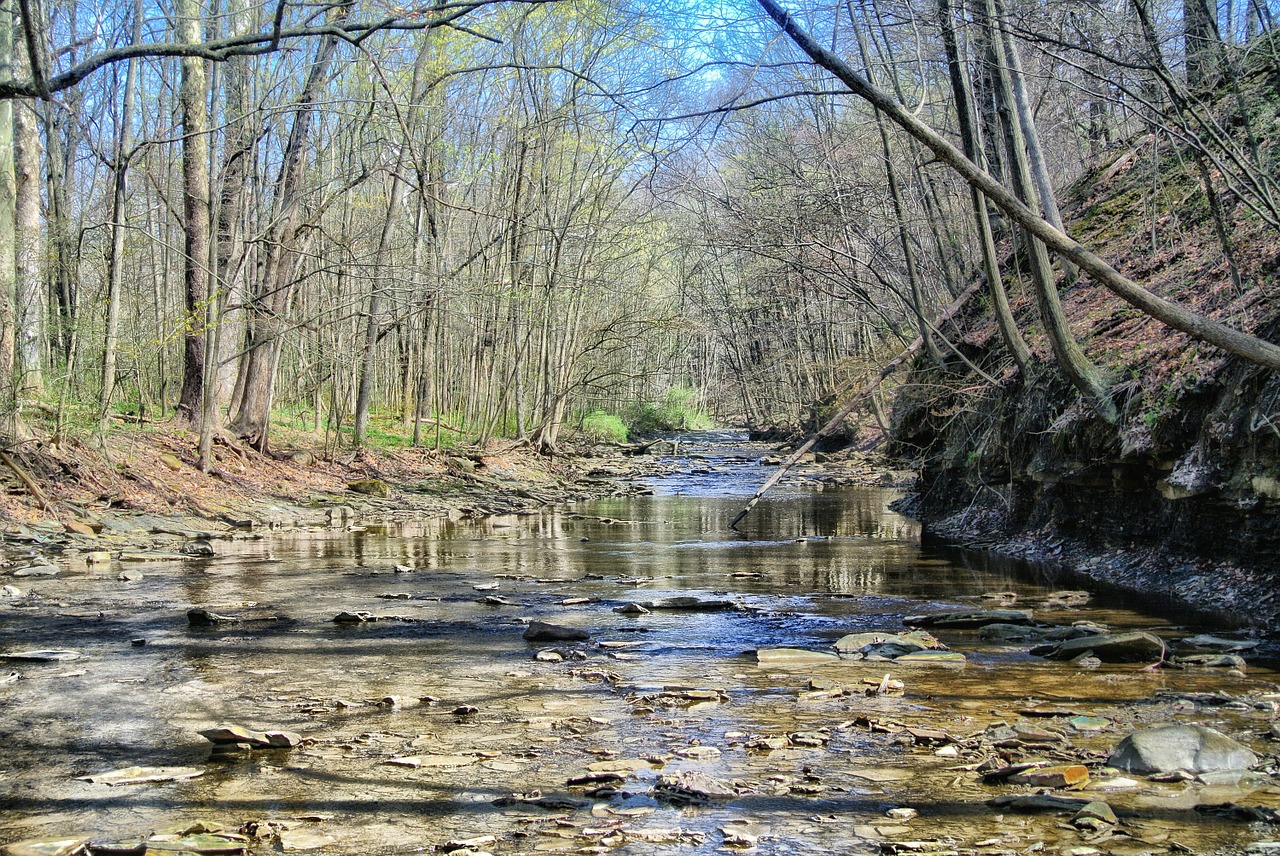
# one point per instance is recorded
(505, 219)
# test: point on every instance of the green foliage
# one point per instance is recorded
(681, 411)
(599, 425)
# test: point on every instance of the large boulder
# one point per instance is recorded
(1193, 748)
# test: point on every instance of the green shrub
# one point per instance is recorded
(679, 411)
(599, 425)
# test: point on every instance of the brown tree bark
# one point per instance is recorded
(9, 425)
(268, 307)
(195, 213)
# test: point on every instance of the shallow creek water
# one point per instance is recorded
(811, 566)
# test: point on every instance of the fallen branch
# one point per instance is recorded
(27, 482)
(857, 398)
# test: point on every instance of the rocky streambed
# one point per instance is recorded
(626, 676)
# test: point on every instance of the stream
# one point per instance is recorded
(428, 721)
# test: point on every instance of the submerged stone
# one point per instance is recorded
(40, 656)
(1193, 748)
(1216, 644)
(945, 658)
(688, 604)
(143, 775)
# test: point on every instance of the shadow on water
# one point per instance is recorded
(811, 565)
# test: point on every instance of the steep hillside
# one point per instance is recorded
(1182, 498)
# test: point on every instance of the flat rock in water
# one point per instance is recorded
(44, 847)
(1193, 748)
(143, 775)
(1052, 777)
(201, 617)
(354, 617)
(882, 774)
(1001, 632)
(543, 631)
(37, 571)
(780, 657)
(943, 658)
(1135, 647)
(1216, 644)
(40, 656)
(1037, 802)
(691, 786)
(152, 556)
(1210, 661)
(294, 840)
(233, 734)
(688, 604)
(961, 619)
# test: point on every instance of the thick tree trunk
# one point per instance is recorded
(195, 212)
(1203, 44)
(270, 303)
(1241, 344)
(30, 252)
(1066, 351)
(9, 419)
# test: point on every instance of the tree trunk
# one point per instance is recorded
(9, 419)
(1027, 122)
(382, 266)
(115, 262)
(900, 215)
(274, 290)
(1013, 340)
(30, 252)
(1197, 326)
(1203, 44)
(195, 212)
(1066, 351)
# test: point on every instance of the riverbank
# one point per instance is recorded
(144, 493)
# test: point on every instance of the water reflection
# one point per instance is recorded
(810, 566)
